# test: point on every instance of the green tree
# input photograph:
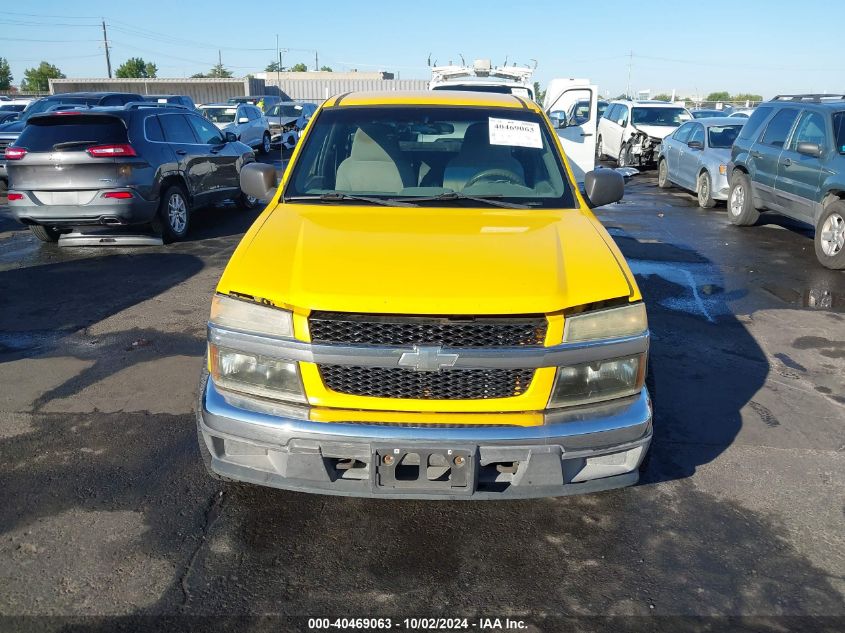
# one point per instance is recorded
(298, 68)
(327, 69)
(37, 79)
(273, 67)
(722, 95)
(218, 70)
(662, 97)
(136, 67)
(539, 95)
(199, 76)
(747, 96)
(5, 74)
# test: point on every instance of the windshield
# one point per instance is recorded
(285, 110)
(722, 136)
(220, 115)
(671, 117)
(416, 151)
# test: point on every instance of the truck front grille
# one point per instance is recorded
(368, 329)
(452, 384)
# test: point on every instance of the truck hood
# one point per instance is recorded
(427, 260)
(656, 131)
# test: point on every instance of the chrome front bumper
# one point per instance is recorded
(578, 450)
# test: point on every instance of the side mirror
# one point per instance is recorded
(231, 137)
(603, 186)
(243, 119)
(695, 145)
(258, 180)
(809, 149)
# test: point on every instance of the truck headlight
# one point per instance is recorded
(598, 381)
(247, 372)
(254, 374)
(251, 317)
(603, 324)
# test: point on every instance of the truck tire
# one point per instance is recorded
(174, 214)
(741, 211)
(599, 148)
(663, 174)
(830, 236)
(704, 191)
(44, 233)
(265, 144)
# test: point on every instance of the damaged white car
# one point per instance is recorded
(287, 121)
(632, 131)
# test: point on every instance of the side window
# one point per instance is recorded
(683, 132)
(754, 122)
(113, 100)
(623, 115)
(697, 134)
(610, 113)
(206, 131)
(152, 129)
(810, 130)
(177, 129)
(778, 128)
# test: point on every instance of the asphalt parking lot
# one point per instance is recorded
(108, 511)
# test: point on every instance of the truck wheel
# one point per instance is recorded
(265, 143)
(663, 174)
(704, 189)
(741, 211)
(830, 236)
(44, 233)
(173, 216)
(599, 148)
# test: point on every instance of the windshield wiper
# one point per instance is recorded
(454, 195)
(338, 196)
(68, 144)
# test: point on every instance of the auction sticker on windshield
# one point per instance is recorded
(515, 133)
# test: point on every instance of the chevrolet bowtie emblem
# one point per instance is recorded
(427, 358)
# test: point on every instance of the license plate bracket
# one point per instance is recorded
(423, 469)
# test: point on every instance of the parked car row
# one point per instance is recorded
(115, 159)
(785, 156)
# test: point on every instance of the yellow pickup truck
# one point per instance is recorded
(427, 308)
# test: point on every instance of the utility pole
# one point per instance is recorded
(219, 58)
(279, 66)
(316, 61)
(106, 45)
(630, 64)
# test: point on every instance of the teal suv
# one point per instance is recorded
(790, 158)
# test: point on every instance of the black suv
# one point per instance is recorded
(790, 158)
(9, 132)
(142, 163)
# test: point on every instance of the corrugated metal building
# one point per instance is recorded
(318, 90)
(205, 90)
(317, 87)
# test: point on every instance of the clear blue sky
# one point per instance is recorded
(694, 48)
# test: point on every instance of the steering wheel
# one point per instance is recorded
(494, 175)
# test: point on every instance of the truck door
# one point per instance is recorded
(578, 137)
